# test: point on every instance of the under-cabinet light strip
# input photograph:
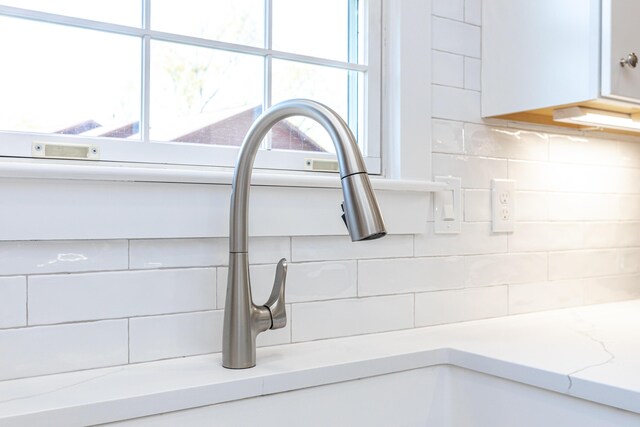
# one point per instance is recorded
(599, 118)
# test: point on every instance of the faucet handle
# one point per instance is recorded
(276, 302)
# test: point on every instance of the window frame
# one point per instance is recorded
(144, 150)
(57, 189)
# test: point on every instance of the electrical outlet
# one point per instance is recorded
(503, 193)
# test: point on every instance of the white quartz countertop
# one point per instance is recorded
(589, 352)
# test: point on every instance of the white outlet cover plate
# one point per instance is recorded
(503, 204)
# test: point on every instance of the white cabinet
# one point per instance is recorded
(620, 40)
(543, 55)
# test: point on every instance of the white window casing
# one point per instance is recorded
(19, 144)
(58, 199)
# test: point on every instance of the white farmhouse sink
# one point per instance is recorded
(440, 396)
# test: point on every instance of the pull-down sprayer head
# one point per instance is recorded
(361, 212)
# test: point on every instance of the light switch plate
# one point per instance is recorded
(503, 205)
(447, 206)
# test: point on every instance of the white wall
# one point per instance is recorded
(77, 304)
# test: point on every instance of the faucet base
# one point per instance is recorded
(243, 320)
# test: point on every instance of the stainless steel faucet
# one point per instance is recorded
(243, 320)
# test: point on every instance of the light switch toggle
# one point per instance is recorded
(447, 211)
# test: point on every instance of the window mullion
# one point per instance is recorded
(268, 64)
(146, 71)
(352, 76)
(146, 85)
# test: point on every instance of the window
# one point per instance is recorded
(160, 81)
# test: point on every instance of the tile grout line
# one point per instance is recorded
(357, 278)
(128, 340)
(26, 300)
(414, 309)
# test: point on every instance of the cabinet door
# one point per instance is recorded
(620, 39)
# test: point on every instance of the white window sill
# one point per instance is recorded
(64, 200)
(93, 171)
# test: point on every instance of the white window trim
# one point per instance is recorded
(406, 91)
(403, 189)
(405, 122)
(72, 170)
(19, 144)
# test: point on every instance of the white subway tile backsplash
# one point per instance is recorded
(581, 149)
(477, 205)
(593, 263)
(546, 236)
(13, 302)
(473, 11)
(487, 141)
(176, 335)
(325, 248)
(68, 298)
(447, 69)
(629, 208)
(572, 292)
(434, 308)
(628, 180)
(580, 178)
(529, 176)
(583, 207)
(45, 350)
(532, 206)
(594, 151)
(475, 172)
(610, 289)
(609, 234)
(455, 37)
(628, 261)
(266, 250)
(447, 136)
(563, 236)
(404, 275)
(311, 281)
(629, 153)
(453, 9)
(472, 73)
(625, 234)
(475, 238)
(328, 319)
(452, 103)
(508, 268)
(545, 295)
(63, 256)
(171, 253)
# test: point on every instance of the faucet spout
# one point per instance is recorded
(243, 320)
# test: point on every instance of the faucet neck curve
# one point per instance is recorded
(350, 161)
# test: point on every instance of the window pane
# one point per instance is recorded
(315, 28)
(123, 12)
(203, 95)
(327, 85)
(65, 80)
(233, 21)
